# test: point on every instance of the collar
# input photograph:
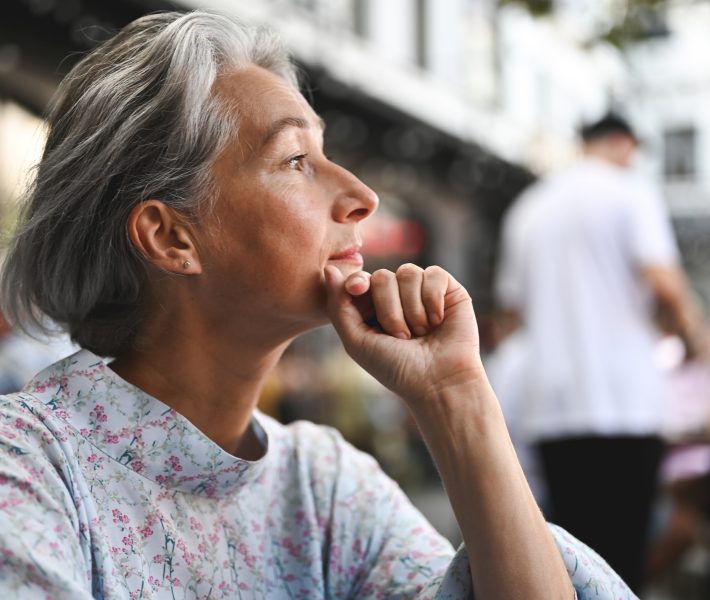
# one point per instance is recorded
(139, 431)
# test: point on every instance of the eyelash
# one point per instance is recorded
(296, 160)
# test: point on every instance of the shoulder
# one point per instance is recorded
(35, 445)
(25, 421)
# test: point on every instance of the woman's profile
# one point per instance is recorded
(184, 226)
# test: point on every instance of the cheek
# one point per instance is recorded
(297, 219)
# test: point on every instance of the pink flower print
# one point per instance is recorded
(243, 586)
(160, 478)
(174, 463)
(91, 458)
(111, 438)
(158, 558)
(119, 517)
(146, 531)
(99, 413)
(181, 545)
(195, 525)
(249, 559)
(20, 423)
(137, 465)
(288, 544)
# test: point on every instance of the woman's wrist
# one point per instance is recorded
(465, 390)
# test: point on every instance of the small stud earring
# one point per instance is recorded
(186, 265)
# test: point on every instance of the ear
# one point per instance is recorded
(163, 238)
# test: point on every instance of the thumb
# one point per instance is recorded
(343, 313)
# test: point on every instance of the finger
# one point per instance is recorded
(434, 286)
(343, 313)
(410, 278)
(357, 283)
(388, 306)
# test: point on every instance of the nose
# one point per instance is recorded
(355, 201)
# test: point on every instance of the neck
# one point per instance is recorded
(608, 152)
(214, 379)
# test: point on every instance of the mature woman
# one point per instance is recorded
(186, 224)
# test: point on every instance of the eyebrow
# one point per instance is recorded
(280, 124)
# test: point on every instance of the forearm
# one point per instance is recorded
(511, 550)
(680, 313)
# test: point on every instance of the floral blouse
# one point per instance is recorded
(106, 492)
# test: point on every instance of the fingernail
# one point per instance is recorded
(402, 335)
(419, 331)
(434, 318)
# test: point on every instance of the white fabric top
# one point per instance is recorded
(573, 247)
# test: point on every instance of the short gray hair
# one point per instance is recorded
(136, 119)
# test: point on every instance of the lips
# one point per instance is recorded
(351, 255)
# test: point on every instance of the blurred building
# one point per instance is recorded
(407, 89)
(670, 93)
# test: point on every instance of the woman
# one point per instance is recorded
(186, 223)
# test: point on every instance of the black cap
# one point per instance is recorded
(610, 124)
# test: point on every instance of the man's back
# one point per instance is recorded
(573, 248)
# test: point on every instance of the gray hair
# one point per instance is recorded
(135, 119)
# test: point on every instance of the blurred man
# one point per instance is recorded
(588, 254)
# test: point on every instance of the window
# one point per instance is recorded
(679, 153)
(421, 40)
(307, 5)
(359, 17)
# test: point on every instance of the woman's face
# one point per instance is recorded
(283, 212)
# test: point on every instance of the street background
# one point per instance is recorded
(448, 109)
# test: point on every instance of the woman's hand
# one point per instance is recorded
(413, 330)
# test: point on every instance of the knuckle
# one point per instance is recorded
(435, 270)
(381, 276)
(408, 270)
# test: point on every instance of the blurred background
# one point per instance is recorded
(448, 109)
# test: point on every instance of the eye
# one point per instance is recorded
(296, 162)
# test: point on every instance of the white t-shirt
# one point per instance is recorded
(573, 246)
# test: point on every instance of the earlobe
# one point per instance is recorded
(163, 237)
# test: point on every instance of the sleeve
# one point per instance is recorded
(40, 551)
(383, 547)
(651, 239)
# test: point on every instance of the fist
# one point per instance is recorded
(413, 330)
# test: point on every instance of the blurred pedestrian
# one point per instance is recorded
(507, 368)
(587, 255)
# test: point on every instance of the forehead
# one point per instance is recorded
(260, 99)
